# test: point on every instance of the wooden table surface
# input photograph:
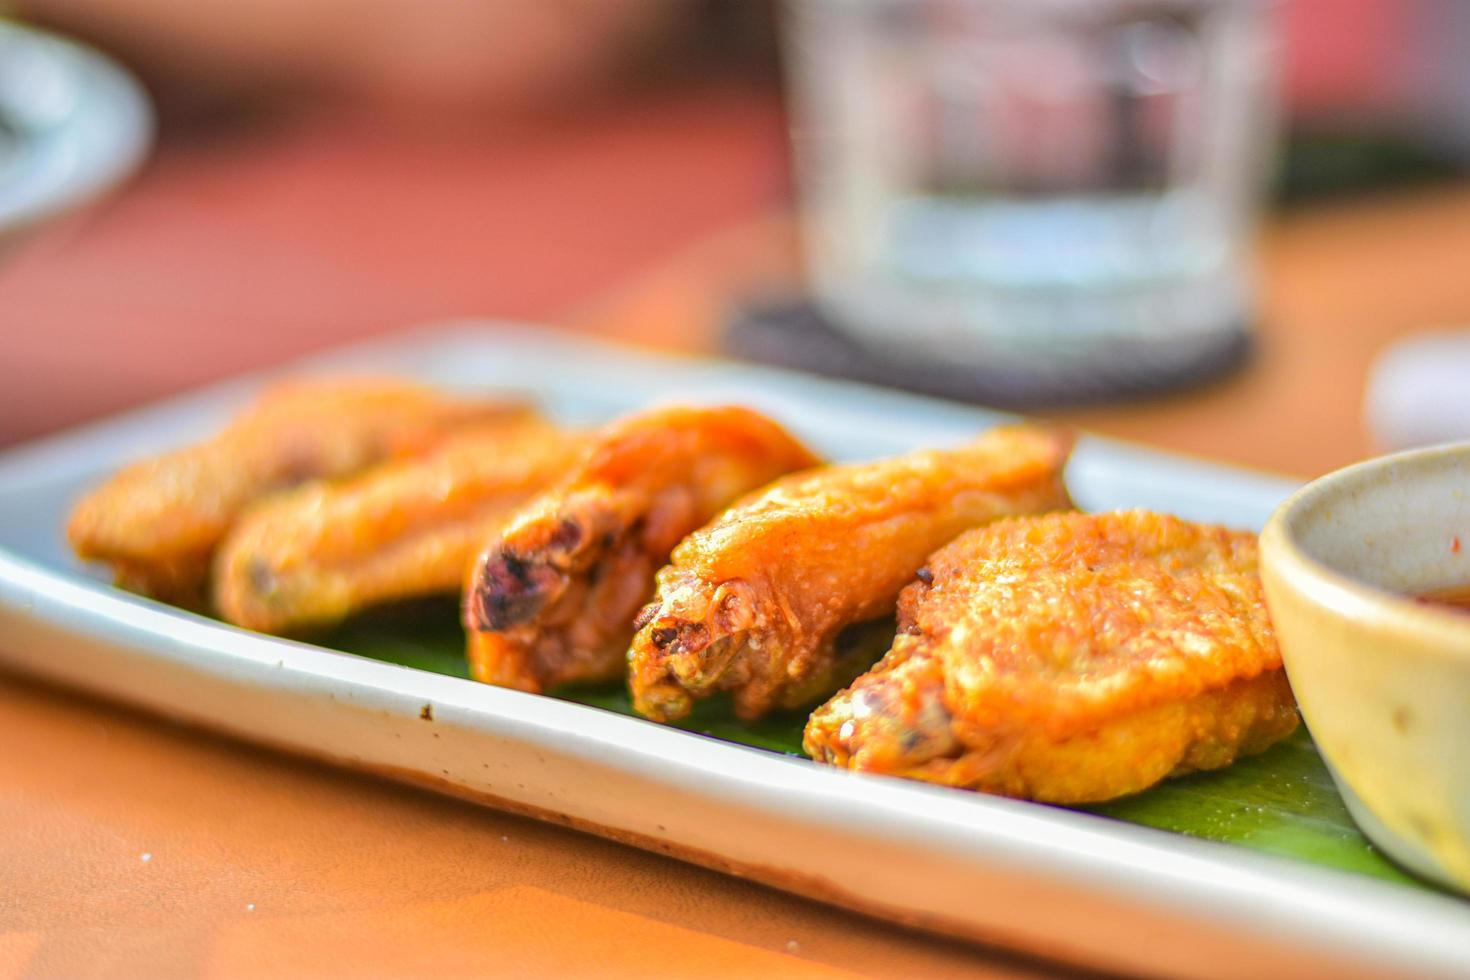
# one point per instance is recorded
(131, 847)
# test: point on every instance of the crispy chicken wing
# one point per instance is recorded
(753, 602)
(157, 522)
(1070, 658)
(553, 597)
(406, 528)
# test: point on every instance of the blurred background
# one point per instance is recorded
(1231, 228)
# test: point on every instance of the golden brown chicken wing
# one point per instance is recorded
(553, 597)
(406, 528)
(753, 602)
(1070, 658)
(157, 522)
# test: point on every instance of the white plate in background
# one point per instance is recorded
(72, 124)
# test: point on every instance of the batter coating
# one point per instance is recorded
(157, 522)
(553, 597)
(1070, 658)
(406, 528)
(753, 602)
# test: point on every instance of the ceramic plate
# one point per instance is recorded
(1287, 887)
(72, 124)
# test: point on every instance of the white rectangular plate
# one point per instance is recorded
(1071, 885)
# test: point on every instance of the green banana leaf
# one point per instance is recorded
(1282, 801)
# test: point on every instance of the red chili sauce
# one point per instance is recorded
(1456, 597)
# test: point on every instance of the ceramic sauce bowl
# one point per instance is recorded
(1382, 678)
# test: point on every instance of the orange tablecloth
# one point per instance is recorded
(133, 848)
(129, 847)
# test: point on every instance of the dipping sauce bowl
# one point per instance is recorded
(1382, 678)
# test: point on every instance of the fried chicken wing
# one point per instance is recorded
(553, 597)
(753, 602)
(1070, 658)
(158, 521)
(316, 554)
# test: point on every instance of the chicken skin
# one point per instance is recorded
(754, 602)
(553, 597)
(157, 522)
(1071, 658)
(316, 554)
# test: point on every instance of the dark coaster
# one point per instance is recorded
(792, 333)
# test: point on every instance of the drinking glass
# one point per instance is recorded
(1049, 191)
